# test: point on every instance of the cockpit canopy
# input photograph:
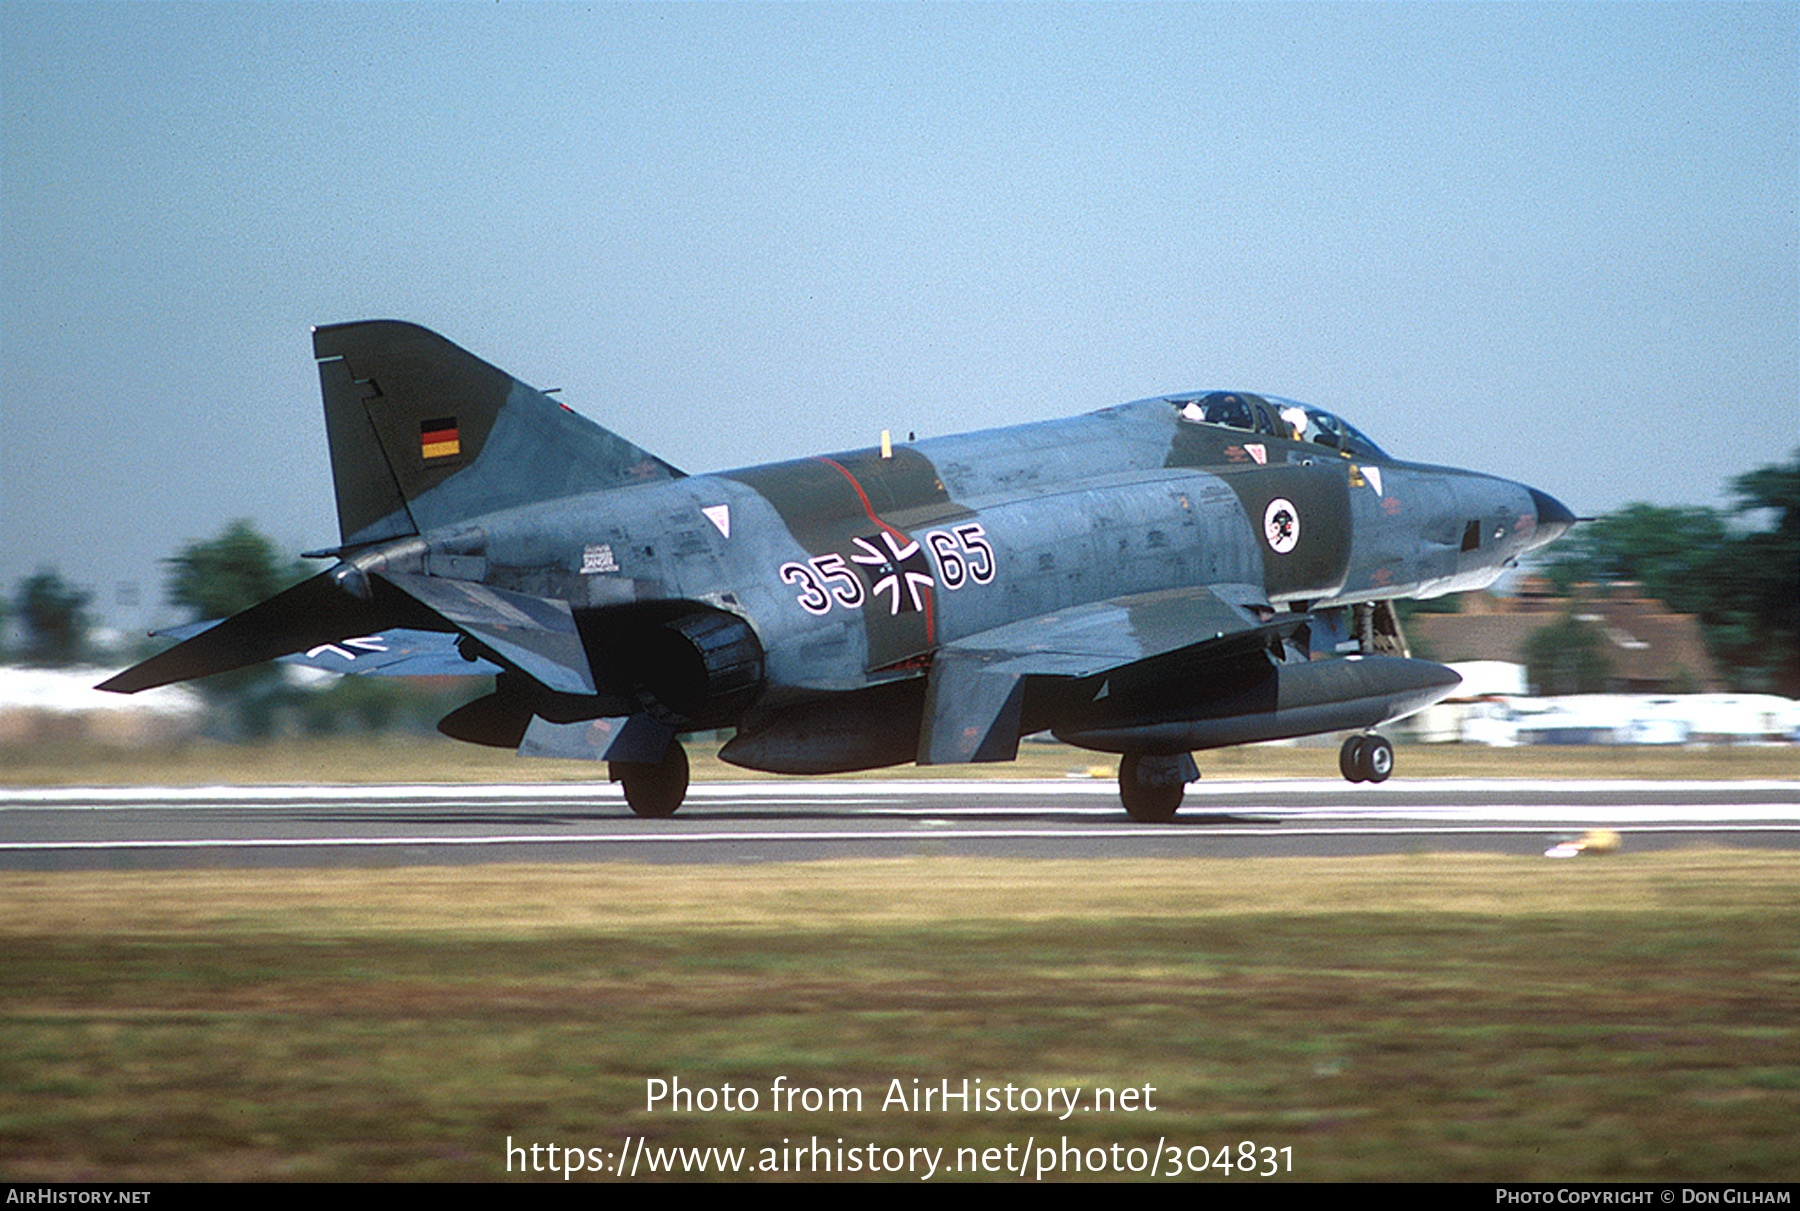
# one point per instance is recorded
(1277, 417)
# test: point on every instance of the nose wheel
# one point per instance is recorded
(1366, 758)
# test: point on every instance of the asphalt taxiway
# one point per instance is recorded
(319, 826)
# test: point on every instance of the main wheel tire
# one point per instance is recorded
(1350, 758)
(1143, 803)
(655, 791)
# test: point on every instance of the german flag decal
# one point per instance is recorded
(438, 438)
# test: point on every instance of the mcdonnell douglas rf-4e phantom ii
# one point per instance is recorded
(1180, 573)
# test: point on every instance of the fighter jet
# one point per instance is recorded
(1179, 573)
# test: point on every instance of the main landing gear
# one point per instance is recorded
(654, 790)
(1151, 785)
(1366, 758)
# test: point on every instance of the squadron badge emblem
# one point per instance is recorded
(1281, 526)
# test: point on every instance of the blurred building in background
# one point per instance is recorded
(1647, 648)
(1657, 682)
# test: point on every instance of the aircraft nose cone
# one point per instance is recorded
(1553, 518)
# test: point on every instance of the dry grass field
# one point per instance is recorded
(1420, 1017)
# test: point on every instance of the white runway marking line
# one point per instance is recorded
(934, 823)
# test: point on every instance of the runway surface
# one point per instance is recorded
(150, 828)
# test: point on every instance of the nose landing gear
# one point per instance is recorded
(1366, 758)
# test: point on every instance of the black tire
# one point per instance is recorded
(1350, 758)
(1146, 804)
(655, 791)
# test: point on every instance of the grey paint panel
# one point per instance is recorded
(1091, 639)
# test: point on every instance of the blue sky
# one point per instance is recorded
(1557, 242)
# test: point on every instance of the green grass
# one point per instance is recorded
(1422, 1017)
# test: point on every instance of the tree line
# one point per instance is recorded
(212, 578)
(1737, 570)
(215, 578)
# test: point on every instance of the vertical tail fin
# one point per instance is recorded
(424, 434)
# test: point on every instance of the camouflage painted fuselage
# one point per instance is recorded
(853, 570)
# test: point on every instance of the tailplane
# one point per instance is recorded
(425, 434)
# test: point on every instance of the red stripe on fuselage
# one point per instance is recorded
(930, 594)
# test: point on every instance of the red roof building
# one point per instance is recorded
(1648, 648)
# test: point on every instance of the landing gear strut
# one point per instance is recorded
(654, 790)
(1366, 758)
(1151, 785)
